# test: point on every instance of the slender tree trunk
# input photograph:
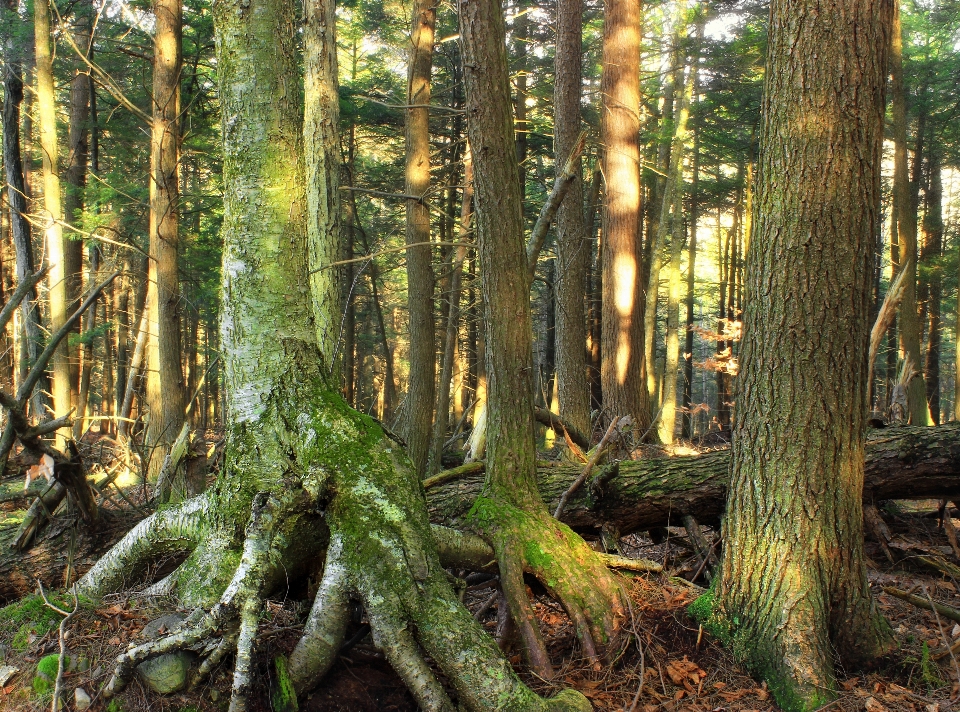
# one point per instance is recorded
(420, 277)
(794, 584)
(453, 317)
(932, 255)
(17, 201)
(573, 243)
(165, 384)
(53, 213)
(906, 217)
(688, 356)
(623, 368)
(521, 32)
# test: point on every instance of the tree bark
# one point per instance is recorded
(623, 367)
(793, 580)
(54, 239)
(688, 425)
(165, 385)
(931, 260)
(573, 244)
(906, 219)
(421, 397)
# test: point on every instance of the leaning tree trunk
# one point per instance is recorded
(306, 478)
(793, 579)
(165, 386)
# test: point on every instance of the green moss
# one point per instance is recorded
(704, 611)
(30, 617)
(46, 676)
(929, 671)
(284, 697)
(115, 706)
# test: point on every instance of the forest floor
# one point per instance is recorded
(684, 669)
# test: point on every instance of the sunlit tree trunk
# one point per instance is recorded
(420, 277)
(906, 218)
(793, 585)
(688, 419)
(165, 385)
(622, 338)
(54, 238)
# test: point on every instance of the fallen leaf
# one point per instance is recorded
(734, 695)
(850, 684)
(872, 705)
(113, 641)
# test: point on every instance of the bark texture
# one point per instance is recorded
(573, 245)
(165, 384)
(798, 451)
(420, 278)
(623, 368)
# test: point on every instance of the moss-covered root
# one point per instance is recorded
(535, 543)
(166, 533)
(325, 628)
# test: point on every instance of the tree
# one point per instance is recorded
(573, 247)
(623, 367)
(306, 475)
(165, 383)
(420, 277)
(793, 579)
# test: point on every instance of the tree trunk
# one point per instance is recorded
(165, 386)
(906, 218)
(53, 213)
(306, 478)
(798, 448)
(623, 368)
(931, 260)
(420, 278)
(688, 425)
(573, 244)
(17, 201)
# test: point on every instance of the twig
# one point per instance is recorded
(643, 660)
(586, 470)
(55, 705)
(943, 635)
(945, 611)
(389, 250)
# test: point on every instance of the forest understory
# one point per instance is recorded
(682, 666)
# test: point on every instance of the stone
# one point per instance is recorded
(6, 672)
(167, 673)
(166, 623)
(81, 700)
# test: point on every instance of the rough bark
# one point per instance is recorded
(53, 212)
(688, 425)
(420, 277)
(165, 385)
(623, 367)
(905, 215)
(931, 261)
(573, 245)
(793, 582)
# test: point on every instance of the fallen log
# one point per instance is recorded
(901, 463)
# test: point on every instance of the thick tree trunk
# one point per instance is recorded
(623, 368)
(420, 277)
(165, 386)
(573, 244)
(905, 215)
(793, 579)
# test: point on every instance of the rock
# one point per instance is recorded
(6, 672)
(167, 673)
(46, 677)
(81, 700)
(165, 623)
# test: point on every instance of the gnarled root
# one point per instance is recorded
(535, 543)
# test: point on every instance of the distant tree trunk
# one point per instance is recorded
(688, 359)
(75, 179)
(622, 339)
(165, 384)
(420, 277)
(795, 583)
(573, 244)
(594, 290)
(521, 32)
(53, 213)
(932, 254)
(17, 202)
(906, 218)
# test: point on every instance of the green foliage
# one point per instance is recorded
(284, 697)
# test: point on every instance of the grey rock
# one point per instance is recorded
(81, 700)
(6, 672)
(167, 623)
(167, 673)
